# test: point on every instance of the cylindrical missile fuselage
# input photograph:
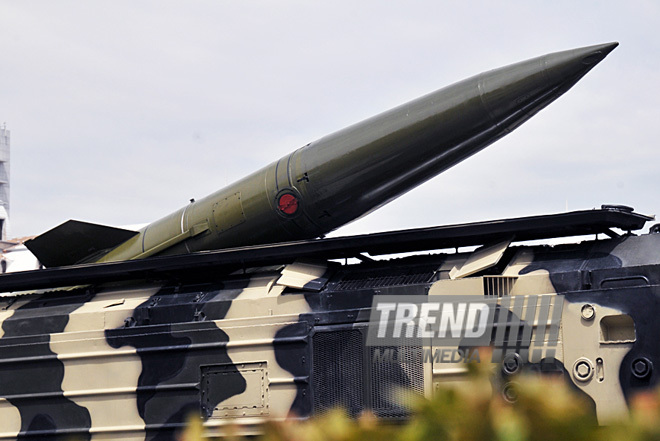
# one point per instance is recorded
(347, 174)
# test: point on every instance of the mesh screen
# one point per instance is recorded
(341, 378)
(338, 367)
(379, 279)
(395, 385)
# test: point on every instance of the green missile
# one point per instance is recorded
(343, 176)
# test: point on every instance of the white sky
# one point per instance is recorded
(121, 111)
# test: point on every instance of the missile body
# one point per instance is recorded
(347, 174)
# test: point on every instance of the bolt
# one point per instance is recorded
(511, 364)
(588, 312)
(583, 369)
(509, 393)
(642, 367)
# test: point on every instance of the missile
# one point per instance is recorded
(343, 176)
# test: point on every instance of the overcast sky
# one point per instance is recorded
(121, 111)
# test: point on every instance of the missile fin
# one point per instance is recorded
(74, 241)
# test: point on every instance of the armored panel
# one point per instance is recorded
(252, 402)
(312, 275)
(228, 212)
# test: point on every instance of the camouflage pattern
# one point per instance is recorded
(133, 361)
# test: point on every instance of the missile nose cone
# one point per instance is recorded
(597, 53)
(525, 88)
(564, 69)
(581, 59)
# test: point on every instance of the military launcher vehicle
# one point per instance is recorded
(263, 321)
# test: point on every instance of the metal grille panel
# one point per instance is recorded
(373, 280)
(394, 386)
(498, 286)
(338, 371)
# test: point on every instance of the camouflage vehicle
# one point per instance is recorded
(237, 336)
(210, 312)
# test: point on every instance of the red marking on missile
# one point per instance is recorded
(288, 203)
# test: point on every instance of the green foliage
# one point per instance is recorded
(545, 409)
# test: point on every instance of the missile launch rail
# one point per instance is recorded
(575, 223)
